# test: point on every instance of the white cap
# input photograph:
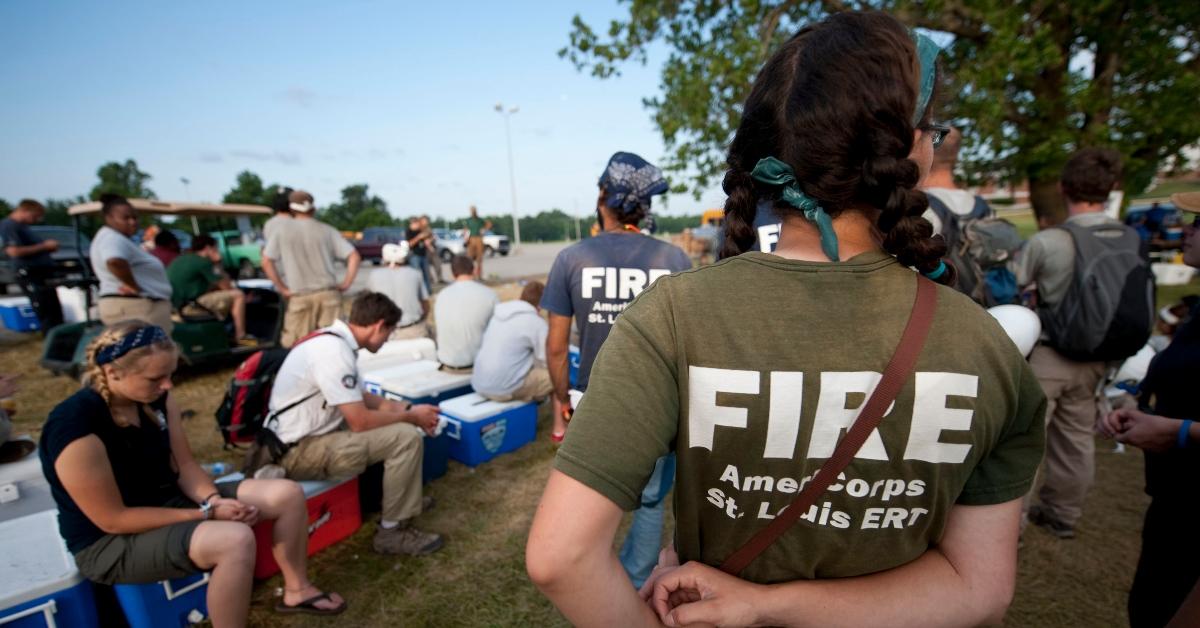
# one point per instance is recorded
(1020, 323)
(395, 253)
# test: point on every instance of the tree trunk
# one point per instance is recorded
(1047, 201)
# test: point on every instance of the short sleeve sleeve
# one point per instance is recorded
(271, 250)
(557, 297)
(629, 416)
(341, 246)
(66, 424)
(8, 233)
(1008, 470)
(1024, 265)
(337, 375)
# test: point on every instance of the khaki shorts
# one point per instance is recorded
(159, 554)
(475, 248)
(537, 386)
(116, 309)
(309, 312)
(218, 302)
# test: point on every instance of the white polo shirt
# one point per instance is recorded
(325, 365)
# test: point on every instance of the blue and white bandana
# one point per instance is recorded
(629, 182)
(135, 339)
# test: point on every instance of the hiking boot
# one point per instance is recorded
(1039, 517)
(406, 540)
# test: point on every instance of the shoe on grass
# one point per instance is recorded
(1039, 517)
(406, 540)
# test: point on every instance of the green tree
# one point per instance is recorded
(5, 209)
(249, 190)
(122, 178)
(1028, 81)
(357, 210)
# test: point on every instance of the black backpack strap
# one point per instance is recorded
(981, 209)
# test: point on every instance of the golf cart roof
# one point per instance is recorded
(176, 208)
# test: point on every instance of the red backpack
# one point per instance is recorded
(245, 408)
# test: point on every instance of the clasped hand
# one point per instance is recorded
(1145, 431)
(695, 594)
(225, 509)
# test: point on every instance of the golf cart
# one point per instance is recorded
(201, 339)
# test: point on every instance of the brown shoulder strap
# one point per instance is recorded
(898, 371)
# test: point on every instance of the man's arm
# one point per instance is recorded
(273, 274)
(967, 579)
(352, 262)
(557, 346)
(121, 269)
(569, 557)
(361, 417)
(45, 246)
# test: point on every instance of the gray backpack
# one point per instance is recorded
(980, 245)
(1108, 311)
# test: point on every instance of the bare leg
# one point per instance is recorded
(238, 312)
(283, 502)
(227, 548)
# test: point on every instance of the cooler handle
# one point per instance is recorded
(453, 427)
(47, 610)
(172, 593)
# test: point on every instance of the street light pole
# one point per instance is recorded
(187, 196)
(512, 180)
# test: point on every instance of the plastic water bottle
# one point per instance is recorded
(216, 469)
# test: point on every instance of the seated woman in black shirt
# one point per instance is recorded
(134, 506)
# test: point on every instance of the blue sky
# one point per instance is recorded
(318, 95)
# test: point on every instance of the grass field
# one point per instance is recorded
(479, 578)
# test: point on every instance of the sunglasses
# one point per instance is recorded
(937, 132)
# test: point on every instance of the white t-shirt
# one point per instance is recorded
(147, 271)
(404, 286)
(959, 202)
(461, 314)
(325, 365)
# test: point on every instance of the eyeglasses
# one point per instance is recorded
(937, 132)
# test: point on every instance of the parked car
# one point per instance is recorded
(69, 259)
(493, 244)
(369, 243)
(449, 243)
(241, 253)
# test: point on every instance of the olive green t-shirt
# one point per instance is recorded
(474, 227)
(751, 369)
(191, 276)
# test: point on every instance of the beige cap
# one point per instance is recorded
(1187, 201)
(301, 201)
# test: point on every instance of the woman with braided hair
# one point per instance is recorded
(750, 370)
(134, 506)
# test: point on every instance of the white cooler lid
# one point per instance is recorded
(395, 372)
(23, 470)
(34, 561)
(474, 407)
(416, 379)
(13, 301)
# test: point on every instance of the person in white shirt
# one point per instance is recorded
(133, 283)
(335, 430)
(461, 314)
(511, 365)
(404, 285)
(945, 197)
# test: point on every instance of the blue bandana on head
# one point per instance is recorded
(135, 339)
(927, 53)
(629, 182)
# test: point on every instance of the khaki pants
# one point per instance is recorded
(116, 309)
(1071, 412)
(308, 312)
(217, 302)
(536, 386)
(345, 454)
(416, 330)
(475, 250)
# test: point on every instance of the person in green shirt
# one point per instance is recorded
(752, 368)
(475, 248)
(199, 287)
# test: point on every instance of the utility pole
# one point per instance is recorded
(512, 180)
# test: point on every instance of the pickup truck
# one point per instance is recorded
(241, 253)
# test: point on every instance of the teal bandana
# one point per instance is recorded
(775, 173)
(927, 52)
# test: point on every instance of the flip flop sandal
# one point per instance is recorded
(309, 606)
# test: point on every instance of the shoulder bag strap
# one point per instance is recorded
(898, 371)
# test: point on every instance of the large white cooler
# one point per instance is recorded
(481, 429)
(397, 352)
(418, 382)
(39, 584)
(23, 488)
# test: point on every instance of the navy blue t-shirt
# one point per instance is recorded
(13, 233)
(140, 458)
(1171, 384)
(595, 279)
(766, 229)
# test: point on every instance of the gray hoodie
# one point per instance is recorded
(515, 339)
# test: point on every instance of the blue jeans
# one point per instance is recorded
(422, 265)
(639, 554)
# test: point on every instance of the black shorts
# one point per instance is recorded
(159, 554)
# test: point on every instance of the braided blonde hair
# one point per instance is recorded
(93, 374)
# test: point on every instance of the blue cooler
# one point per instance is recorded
(39, 585)
(418, 382)
(437, 457)
(17, 314)
(481, 429)
(573, 361)
(179, 602)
